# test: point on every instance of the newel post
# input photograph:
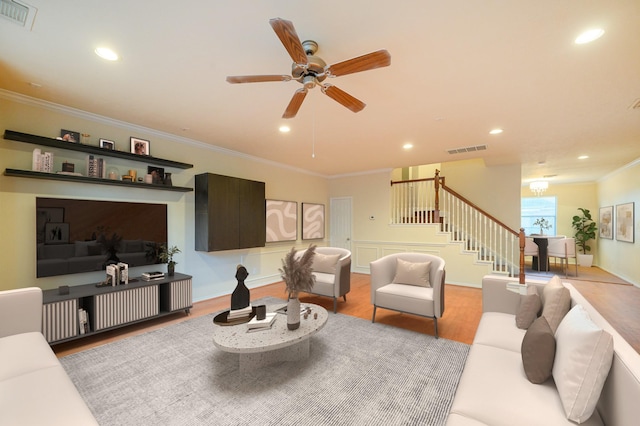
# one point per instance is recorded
(521, 238)
(436, 211)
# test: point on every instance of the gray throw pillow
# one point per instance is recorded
(538, 351)
(530, 306)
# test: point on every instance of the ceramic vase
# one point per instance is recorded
(293, 312)
(171, 268)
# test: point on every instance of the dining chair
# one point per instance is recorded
(563, 249)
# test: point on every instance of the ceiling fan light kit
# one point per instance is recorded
(311, 70)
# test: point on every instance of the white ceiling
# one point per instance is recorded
(458, 69)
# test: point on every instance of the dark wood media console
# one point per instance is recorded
(112, 307)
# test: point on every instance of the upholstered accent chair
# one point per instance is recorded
(563, 249)
(409, 282)
(332, 269)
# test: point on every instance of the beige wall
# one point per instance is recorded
(213, 272)
(495, 190)
(620, 187)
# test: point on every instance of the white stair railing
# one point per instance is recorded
(424, 201)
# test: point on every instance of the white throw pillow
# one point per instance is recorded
(325, 263)
(584, 353)
(412, 273)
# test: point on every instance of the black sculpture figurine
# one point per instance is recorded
(240, 297)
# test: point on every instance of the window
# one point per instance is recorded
(533, 208)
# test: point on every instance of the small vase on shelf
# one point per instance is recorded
(171, 268)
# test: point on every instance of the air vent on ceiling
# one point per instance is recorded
(635, 104)
(467, 149)
(17, 12)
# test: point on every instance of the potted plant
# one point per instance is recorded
(297, 275)
(543, 224)
(585, 229)
(166, 256)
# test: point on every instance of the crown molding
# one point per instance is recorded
(85, 115)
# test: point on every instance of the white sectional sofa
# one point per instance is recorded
(494, 388)
(34, 388)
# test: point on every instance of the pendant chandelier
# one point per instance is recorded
(538, 187)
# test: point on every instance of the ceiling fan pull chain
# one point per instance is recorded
(313, 130)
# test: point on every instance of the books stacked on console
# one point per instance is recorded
(240, 313)
(264, 324)
(155, 275)
(83, 321)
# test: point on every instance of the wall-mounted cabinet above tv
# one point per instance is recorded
(229, 213)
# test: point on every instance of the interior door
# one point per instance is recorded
(341, 220)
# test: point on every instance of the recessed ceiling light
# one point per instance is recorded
(495, 131)
(589, 36)
(106, 53)
(284, 129)
(583, 157)
(407, 145)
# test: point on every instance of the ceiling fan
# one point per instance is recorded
(311, 70)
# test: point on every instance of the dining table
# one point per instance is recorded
(541, 261)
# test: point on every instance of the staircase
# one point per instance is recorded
(424, 201)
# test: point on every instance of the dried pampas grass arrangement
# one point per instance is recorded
(297, 273)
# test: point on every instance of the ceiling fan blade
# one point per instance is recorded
(256, 78)
(295, 103)
(287, 34)
(343, 98)
(378, 59)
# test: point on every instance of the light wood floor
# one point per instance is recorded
(619, 304)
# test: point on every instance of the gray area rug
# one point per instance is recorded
(358, 373)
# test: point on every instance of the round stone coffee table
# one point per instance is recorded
(259, 348)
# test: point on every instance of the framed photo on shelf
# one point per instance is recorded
(312, 221)
(140, 146)
(282, 220)
(107, 144)
(624, 222)
(157, 174)
(70, 136)
(606, 222)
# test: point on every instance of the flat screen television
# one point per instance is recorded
(76, 236)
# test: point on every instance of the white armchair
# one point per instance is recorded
(399, 282)
(332, 269)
